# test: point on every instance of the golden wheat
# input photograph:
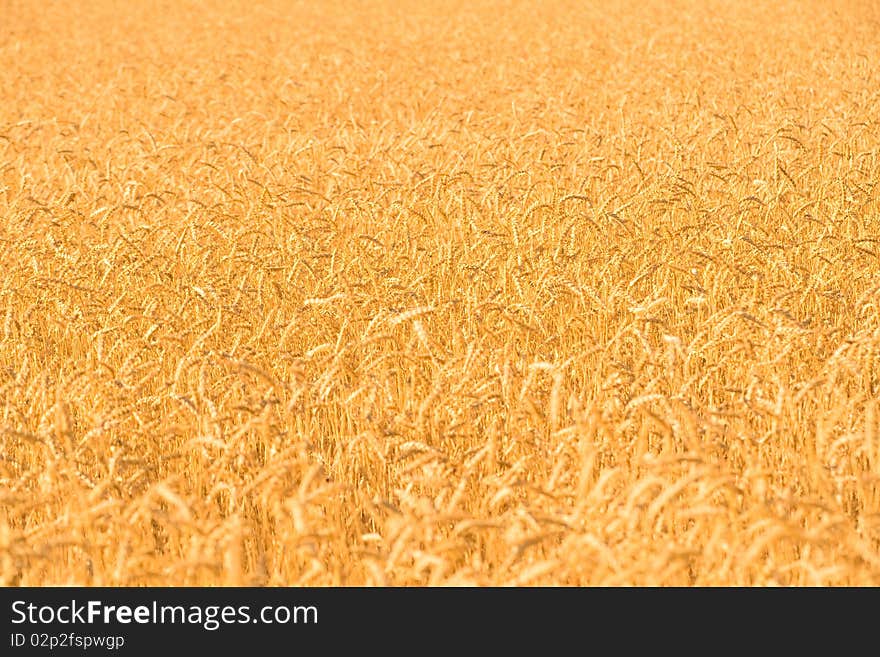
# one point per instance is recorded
(440, 293)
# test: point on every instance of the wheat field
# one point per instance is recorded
(439, 293)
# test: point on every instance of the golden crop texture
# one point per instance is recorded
(429, 293)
